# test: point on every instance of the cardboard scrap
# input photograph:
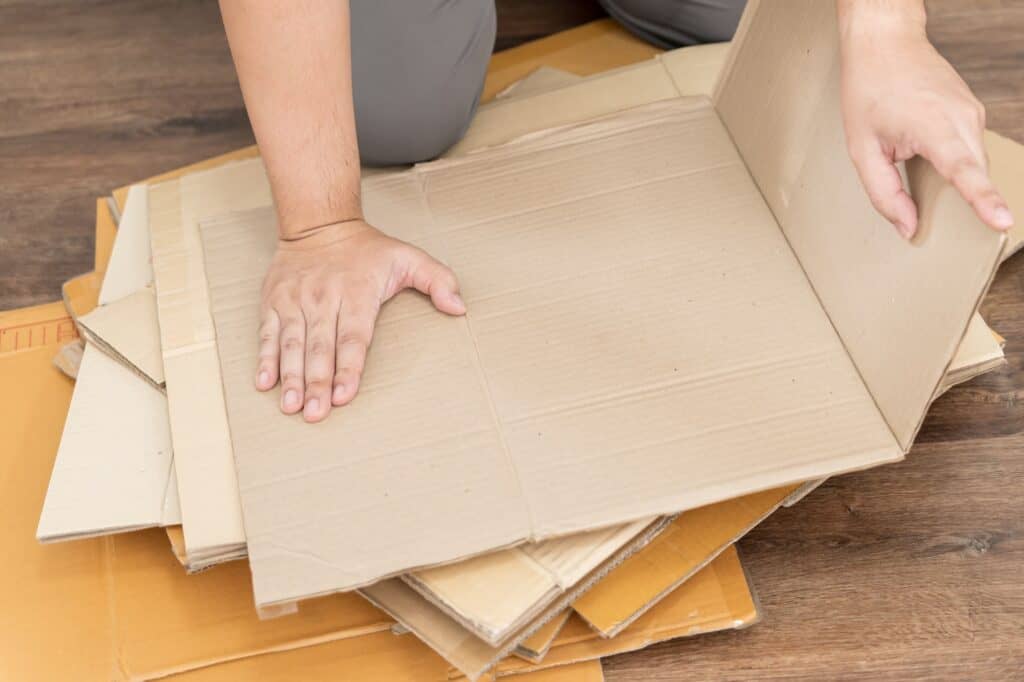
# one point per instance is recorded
(129, 344)
(69, 357)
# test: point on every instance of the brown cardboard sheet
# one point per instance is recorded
(540, 421)
(795, 150)
(44, 587)
(1006, 165)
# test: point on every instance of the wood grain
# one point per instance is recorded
(913, 571)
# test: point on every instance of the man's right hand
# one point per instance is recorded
(321, 297)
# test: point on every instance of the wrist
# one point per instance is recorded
(323, 235)
(881, 19)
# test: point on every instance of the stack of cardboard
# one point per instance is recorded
(558, 476)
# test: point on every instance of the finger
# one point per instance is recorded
(435, 279)
(884, 187)
(321, 327)
(968, 173)
(293, 341)
(270, 350)
(356, 322)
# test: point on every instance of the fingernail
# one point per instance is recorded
(457, 300)
(903, 229)
(264, 377)
(339, 393)
(291, 398)
(312, 407)
(1002, 218)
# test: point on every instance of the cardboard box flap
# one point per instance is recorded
(127, 330)
(1006, 165)
(542, 419)
(900, 309)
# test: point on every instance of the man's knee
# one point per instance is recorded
(672, 23)
(417, 70)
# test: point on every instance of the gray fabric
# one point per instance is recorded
(418, 68)
(674, 23)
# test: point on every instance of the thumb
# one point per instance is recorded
(435, 279)
(884, 186)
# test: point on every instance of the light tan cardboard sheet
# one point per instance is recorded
(113, 470)
(205, 475)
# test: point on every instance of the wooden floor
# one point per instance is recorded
(913, 571)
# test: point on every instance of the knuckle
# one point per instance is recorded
(317, 347)
(292, 378)
(291, 344)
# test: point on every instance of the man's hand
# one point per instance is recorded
(321, 297)
(900, 99)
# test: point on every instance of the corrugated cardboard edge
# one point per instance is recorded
(376, 595)
(535, 647)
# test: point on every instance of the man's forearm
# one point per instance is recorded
(294, 64)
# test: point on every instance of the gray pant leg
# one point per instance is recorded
(418, 68)
(674, 23)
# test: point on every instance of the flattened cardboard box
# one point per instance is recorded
(529, 416)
